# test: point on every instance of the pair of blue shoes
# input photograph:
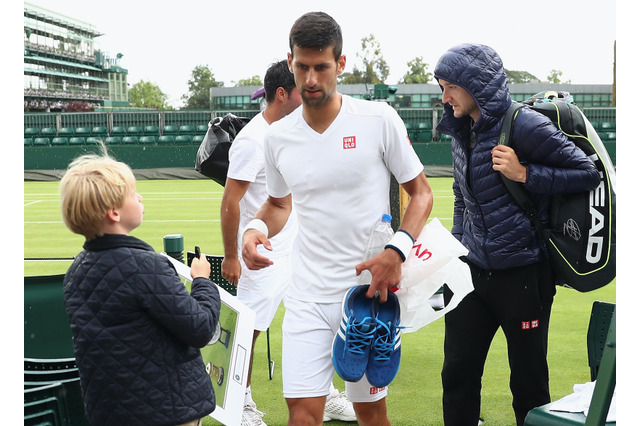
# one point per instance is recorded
(368, 341)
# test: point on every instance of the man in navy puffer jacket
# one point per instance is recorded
(513, 286)
(136, 330)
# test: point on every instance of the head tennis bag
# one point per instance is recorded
(212, 158)
(581, 235)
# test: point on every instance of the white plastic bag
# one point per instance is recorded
(434, 261)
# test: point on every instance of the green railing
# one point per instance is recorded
(124, 119)
(158, 139)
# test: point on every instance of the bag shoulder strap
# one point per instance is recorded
(516, 189)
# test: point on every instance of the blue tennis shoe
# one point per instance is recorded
(352, 343)
(384, 356)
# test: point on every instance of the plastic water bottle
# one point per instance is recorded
(379, 238)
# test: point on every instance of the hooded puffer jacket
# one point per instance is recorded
(136, 333)
(486, 219)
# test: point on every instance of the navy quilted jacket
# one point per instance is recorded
(136, 333)
(486, 219)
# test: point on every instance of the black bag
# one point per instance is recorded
(212, 159)
(581, 236)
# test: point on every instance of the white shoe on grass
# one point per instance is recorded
(251, 416)
(338, 407)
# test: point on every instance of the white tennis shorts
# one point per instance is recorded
(263, 290)
(307, 338)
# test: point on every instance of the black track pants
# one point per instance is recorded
(509, 299)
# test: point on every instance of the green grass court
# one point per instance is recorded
(192, 208)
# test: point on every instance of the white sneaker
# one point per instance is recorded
(251, 416)
(339, 408)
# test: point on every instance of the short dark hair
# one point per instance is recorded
(316, 30)
(278, 75)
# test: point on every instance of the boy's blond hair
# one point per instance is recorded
(92, 185)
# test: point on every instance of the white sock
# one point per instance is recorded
(333, 392)
(248, 399)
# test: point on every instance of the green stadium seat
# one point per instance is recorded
(99, 131)
(28, 141)
(201, 129)
(48, 132)
(170, 130)
(607, 136)
(118, 131)
(607, 126)
(32, 132)
(94, 141)
(45, 405)
(77, 140)
(47, 333)
(423, 133)
(410, 129)
(134, 131)
(64, 397)
(151, 131)
(129, 140)
(445, 138)
(113, 140)
(197, 139)
(41, 141)
(147, 140)
(67, 132)
(166, 139)
(59, 141)
(187, 130)
(83, 131)
(183, 139)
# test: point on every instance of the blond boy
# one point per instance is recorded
(136, 330)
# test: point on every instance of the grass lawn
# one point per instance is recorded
(192, 208)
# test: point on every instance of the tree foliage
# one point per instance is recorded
(251, 81)
(202, 79)
(145, 94)
(371, 68)
(554, 77)
(520, 77)
(417, 73)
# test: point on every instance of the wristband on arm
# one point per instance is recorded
(402, 243)
(258, 225)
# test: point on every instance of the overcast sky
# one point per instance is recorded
(164, 42)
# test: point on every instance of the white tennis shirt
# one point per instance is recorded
(246, 163)
(339, 181)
